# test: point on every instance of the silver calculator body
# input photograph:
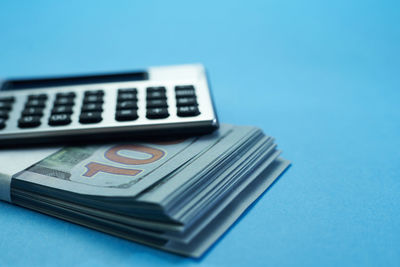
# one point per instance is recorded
(168, 101)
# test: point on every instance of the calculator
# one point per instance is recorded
(159, 101)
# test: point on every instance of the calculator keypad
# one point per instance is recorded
(33, 111)
(2, 123)
(186, 101)
(127, 95)
(62, 109)
(126, 115)
(188, 111)
(92, 107)
(94, 92)
(35, 104)
(64, 101)
(157, 103)
(66, 95)
(156, 93)
(4, 114)
(6, 104)
(29, 121)
(157, 113)
(184, 91)
(42, 97)
(59, 119)
(8, 99)
(156, 106)
(93, 99)
(127, 105)
(121, 105)
(90, 117)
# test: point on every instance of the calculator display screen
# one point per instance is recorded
(73, 80)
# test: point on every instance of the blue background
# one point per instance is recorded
(320, 76)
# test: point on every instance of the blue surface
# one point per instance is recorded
(320, 76)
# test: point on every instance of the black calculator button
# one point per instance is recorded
(93, 99)
(157, 113)
(37, 97)
(126, 115)
(9, 99)
(188, 111)
(62, 109)
(32, 111)
(185, 92)
(90, 117)
(2, 123)
(59, 119)
(35, 103)
(94, 93)
(62, 101)
(127, 105)
(92, 107)
(156, 89)
(127, 90)
(127, 96)
(186, 101)
(3, 114)
(66, 95)
(184, 87)
(156, 95)
(5, 106)
(29, 121)
(157, 103)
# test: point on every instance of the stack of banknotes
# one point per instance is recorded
(176, 195)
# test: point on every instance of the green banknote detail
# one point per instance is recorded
(112, 166)
(59, 164)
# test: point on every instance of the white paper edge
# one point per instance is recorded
(13, 161)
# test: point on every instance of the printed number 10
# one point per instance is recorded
(112, 154)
